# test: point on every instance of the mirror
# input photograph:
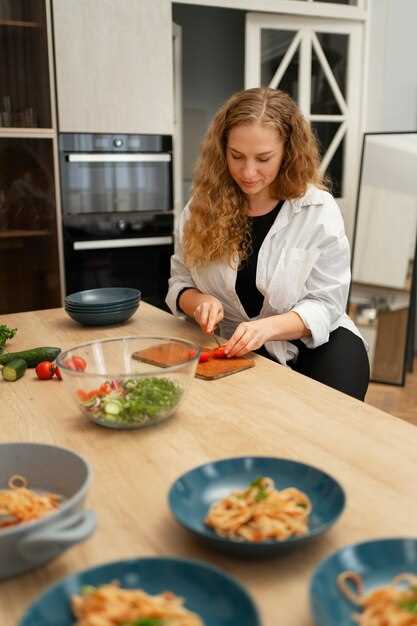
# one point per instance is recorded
(381, 300)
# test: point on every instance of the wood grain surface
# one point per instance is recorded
(266, 410)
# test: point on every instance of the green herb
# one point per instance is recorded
(408, 605)
(132, 401)
(257, 482)
(261, 495)
(6, 333)
(86, 589)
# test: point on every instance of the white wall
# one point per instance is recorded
(392, 84)
(391, 90)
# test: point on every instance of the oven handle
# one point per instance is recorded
(118, 157)
(135, 242)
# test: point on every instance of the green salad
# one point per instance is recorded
(132, 401)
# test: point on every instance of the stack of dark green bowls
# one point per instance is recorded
(101, 307)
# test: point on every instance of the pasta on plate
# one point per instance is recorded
(110, 605)
(390, 605)
(261, 512)
(19, 504)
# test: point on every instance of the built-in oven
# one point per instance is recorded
(117, 205)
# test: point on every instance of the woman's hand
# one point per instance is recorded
(250, 336)
(208, 314)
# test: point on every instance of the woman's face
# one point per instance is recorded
(254, 155)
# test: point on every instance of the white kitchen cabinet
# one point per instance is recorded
(114, 66)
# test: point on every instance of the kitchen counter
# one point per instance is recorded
(267, 410)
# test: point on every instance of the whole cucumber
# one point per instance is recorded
(31, 357)
(14, 370)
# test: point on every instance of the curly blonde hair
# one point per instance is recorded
(218, 226)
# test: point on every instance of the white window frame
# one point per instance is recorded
(290, 7)
(255, 22)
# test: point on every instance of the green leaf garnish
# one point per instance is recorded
(86, 589)
(261, 495)
(257, 482)
(409, 605)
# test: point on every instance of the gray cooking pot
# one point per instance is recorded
(46, 468)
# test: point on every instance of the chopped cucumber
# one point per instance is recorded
(112, 408)
(14, 370)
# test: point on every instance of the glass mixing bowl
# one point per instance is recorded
(129, 382)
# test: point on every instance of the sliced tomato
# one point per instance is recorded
(76, 363)
(103, 390)
(79, 363)
(219, 353)
(83, 395)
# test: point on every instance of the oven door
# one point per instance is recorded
(116, 182)
(139, 262)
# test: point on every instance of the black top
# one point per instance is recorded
(249, 296)
(247, 292)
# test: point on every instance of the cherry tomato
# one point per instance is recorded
(57, 373)
(76, 363)
(45, 370)
(219, 353)
(204, 357)
(79, 363)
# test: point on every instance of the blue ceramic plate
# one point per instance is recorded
(191, 496)
(102, 318)
(102, 308)
(376, 561)
(215, 596)
(105, 295)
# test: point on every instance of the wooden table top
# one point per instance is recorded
(267, 410)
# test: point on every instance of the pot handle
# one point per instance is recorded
(56, 538)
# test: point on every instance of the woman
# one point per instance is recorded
(261, 249)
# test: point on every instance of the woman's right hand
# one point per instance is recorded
(208, 314)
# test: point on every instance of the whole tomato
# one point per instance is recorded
(45, 370)
(204, 357)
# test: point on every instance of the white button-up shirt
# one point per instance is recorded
(303, 266)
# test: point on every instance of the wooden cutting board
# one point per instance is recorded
(168, 354)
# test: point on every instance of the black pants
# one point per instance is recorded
(341, 363)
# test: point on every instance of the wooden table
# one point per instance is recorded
(267, 410)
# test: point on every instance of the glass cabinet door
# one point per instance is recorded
(24, 71)
(29, 267)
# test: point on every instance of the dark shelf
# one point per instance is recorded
(20, 24)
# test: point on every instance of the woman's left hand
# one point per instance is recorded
(250, 336)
